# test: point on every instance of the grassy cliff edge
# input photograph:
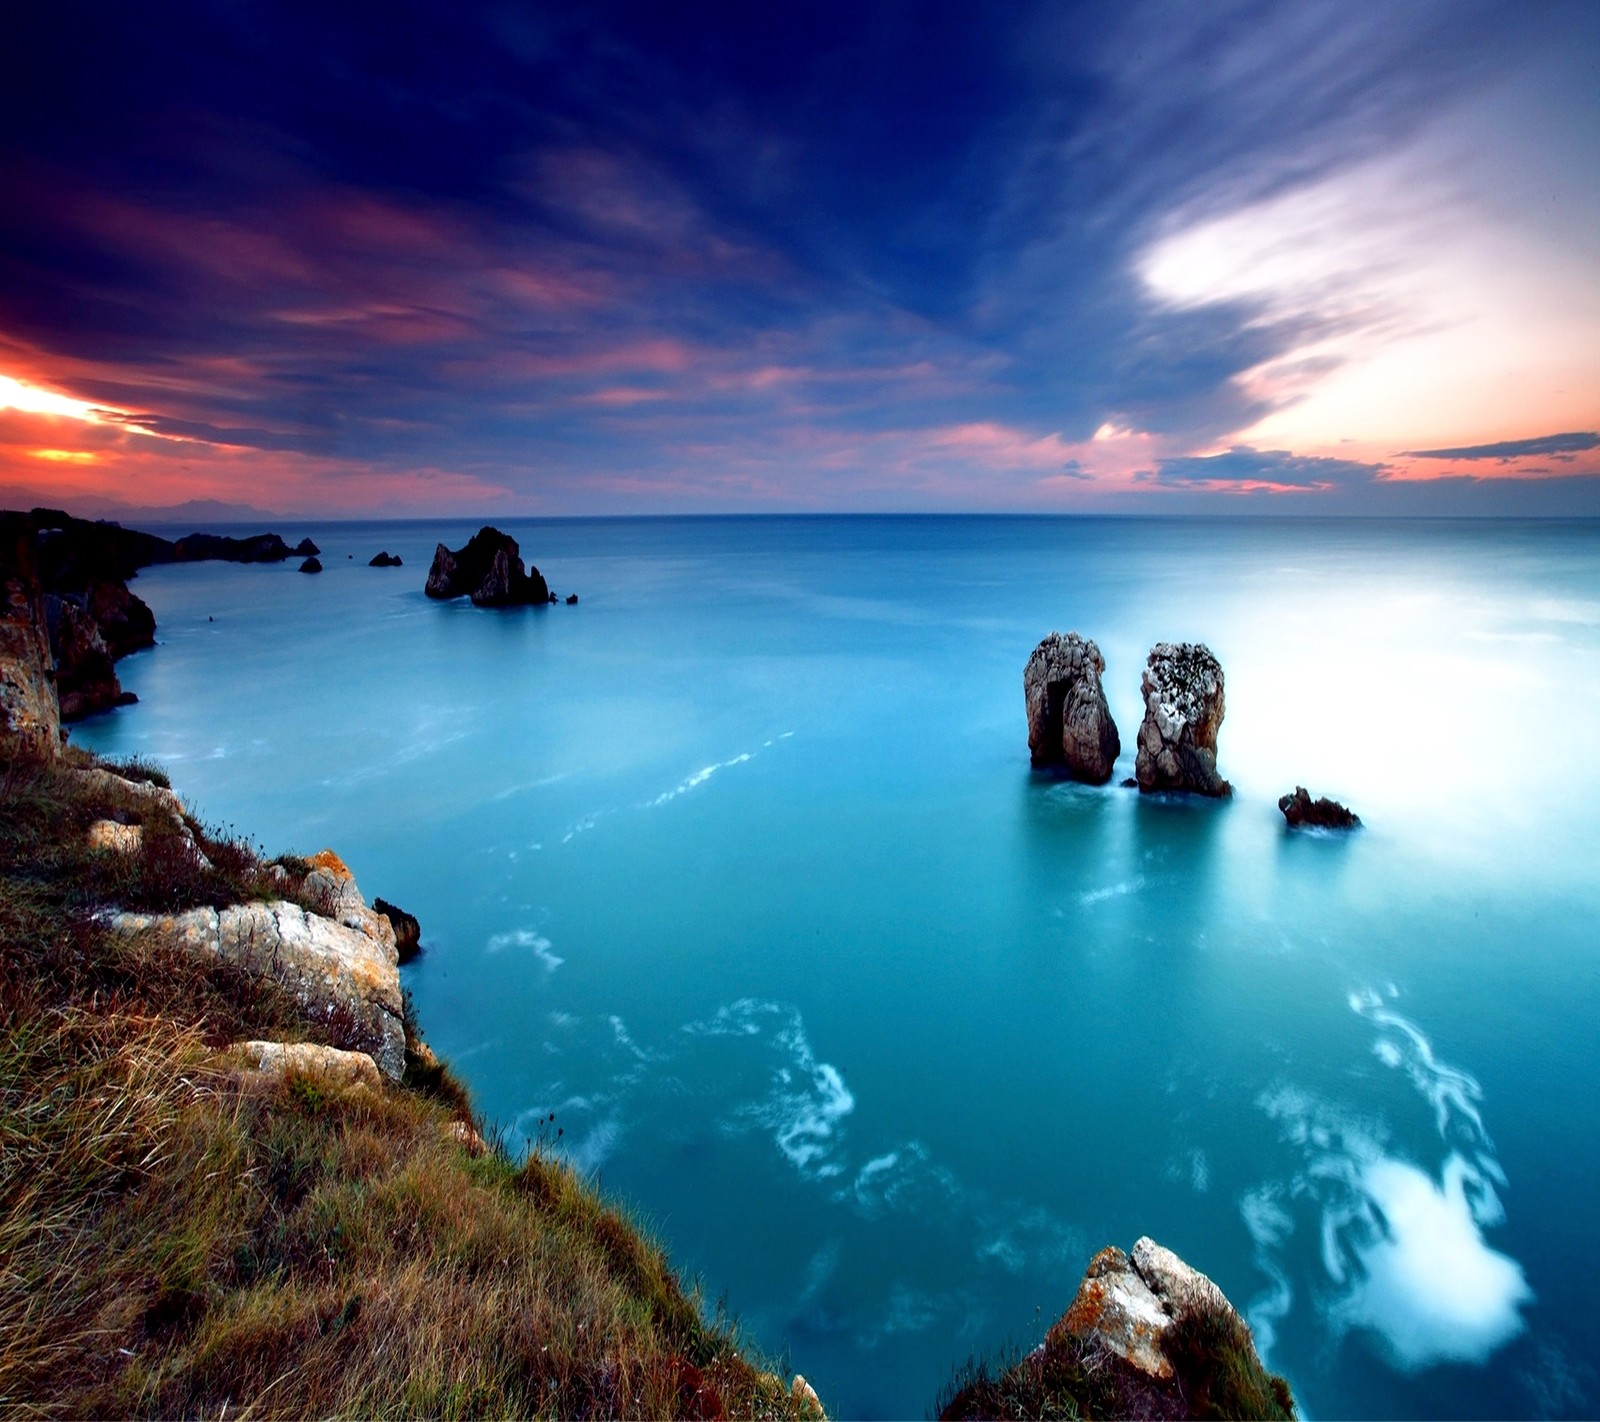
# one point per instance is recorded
(184, 1235)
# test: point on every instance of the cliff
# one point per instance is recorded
(235, 1177)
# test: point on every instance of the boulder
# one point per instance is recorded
(115, 836)
(277, 1061)
(1183, 708)
(407, 931)
(311, 565)
(1300, 810)
(1069, 723)
(488, 570)
(385, 560)
(341, 965)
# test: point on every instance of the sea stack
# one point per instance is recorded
(1069, 723)
(488, 570)
(1183, 708)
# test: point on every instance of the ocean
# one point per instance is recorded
(739, 868)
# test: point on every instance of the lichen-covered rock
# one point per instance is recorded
(120, 838)
(1300, 810)
(277, 1061)
(1069, 722)
(342, 964)
(488, 570)
(1128, 1305)
(1183, 709)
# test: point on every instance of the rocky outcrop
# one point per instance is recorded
(1183, 709)
(311, 565)
(1147, 1336)
(385, 559)
(1300, 810)
(342, 964)
(1128, 1306)
(86, 677)
(277, 1061)
(1069, 723)
(407, 931)
(305, 548)
(116, 836)
(488, 570)
(30, 714)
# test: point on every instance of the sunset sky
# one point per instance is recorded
(415, 259)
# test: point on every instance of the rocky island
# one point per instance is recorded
(1183, 709)
(1069, 722)
(488, 569)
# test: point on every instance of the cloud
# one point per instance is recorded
(1246, 470)
(1507, 449)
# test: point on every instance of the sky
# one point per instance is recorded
(425, 259)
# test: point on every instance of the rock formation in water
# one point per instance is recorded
(488, 570)
(1069, 723)
(1183, 709)
(1300, 810)
(1147, 1336)
(407, 931)
(385, 559)
(312, 564)
(305, 548)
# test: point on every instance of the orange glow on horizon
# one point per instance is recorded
(66, 456)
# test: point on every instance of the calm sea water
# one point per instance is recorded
(740, 869)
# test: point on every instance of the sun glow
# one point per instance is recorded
(16, 395)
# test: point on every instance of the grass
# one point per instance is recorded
(180, 1238)
(1217, 1375)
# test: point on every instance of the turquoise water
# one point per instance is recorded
(740, 868)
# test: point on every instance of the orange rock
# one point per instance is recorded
(327, 859)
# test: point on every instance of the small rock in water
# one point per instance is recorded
(1300, 809)
(306, 548)
(311, 565)
(385, 559)
(572, 599)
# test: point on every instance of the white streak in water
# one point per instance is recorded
(527, 938)
(1404, 1249)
